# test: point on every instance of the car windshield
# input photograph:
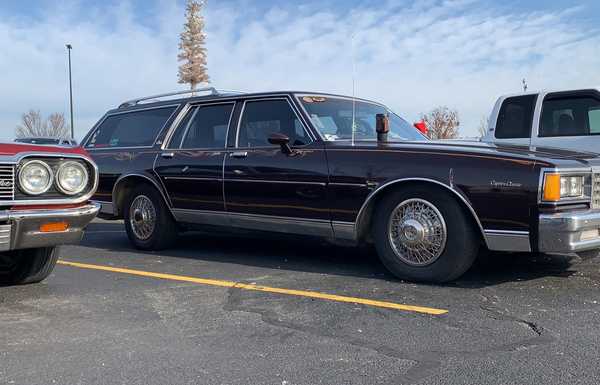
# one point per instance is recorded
(333, 117)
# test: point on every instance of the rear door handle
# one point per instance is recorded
(239, 154)
(167, 155)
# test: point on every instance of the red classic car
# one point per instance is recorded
(44, 203)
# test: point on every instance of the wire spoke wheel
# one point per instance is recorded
(417, 232)
(142, 217)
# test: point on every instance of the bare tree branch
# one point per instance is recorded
(483, 126)
(33, 125)
(442, 123)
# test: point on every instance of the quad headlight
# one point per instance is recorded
(72, 177)
(568, 187)
(35, 177)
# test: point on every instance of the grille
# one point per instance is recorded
(7, 182)
(596, 191)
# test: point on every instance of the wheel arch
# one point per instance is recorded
(365, 214)
(125, 183)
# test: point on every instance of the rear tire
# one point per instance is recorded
(423, 235)
(148, 222)
(20, 267)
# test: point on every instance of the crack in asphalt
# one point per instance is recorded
(425, 362)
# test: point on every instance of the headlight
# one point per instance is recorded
(563, 187)
(35, 177)
(72, 177)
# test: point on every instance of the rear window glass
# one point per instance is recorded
(516, 117)
(570, 116)
(132, 129)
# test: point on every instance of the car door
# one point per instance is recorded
(570, 120)
(191, 165)
(267, 188)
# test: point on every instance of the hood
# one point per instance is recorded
(12, 149)
(515, 150)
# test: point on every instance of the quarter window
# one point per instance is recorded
(573, 116)
(131, 129)
(263, 118)
(516, 117)
(208, 127)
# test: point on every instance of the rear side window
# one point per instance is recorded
(131, 129)
(570, 116)
(208, 127)
(516, 117)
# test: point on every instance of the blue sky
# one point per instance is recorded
(411, 54)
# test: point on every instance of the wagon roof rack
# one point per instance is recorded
(209, 90)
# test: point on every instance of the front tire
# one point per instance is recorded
(20, 267)
(423, 235)
(148, 222)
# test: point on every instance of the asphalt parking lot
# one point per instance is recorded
(241, 310)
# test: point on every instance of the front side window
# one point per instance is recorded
(572, 116)
(131, 129)
(266, 117)
(516, 117)
(335, 117)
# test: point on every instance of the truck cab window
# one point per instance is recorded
(516, 117)
(570, 116)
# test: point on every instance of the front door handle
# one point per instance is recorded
(239, 154)
(167, 155)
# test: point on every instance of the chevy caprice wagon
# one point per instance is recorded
(348, 170)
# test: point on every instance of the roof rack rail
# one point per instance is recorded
(211, 90)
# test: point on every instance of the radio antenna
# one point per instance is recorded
(353, 88)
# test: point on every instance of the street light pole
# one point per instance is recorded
(69, 48)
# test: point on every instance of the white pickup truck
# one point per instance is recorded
(565, 119)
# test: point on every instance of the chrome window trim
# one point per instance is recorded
(268, 98)
(584, 171)
(17, 159)
(108, 115)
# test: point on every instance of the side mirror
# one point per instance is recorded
(281, 140)
(382, 126)
(421, 126)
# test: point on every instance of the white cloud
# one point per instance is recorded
(457, 53)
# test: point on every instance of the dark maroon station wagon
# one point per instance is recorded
(344, 169)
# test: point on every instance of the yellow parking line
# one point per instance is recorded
(244, 286)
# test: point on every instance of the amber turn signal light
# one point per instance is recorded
(53, 227)
(552, 188)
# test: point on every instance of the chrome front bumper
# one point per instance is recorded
(20, 229)
(569, 232)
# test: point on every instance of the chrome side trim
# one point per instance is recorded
(363, 209)
(125, 176)
(509, 241)
(277, 181)
(344, 230)
(301, 226)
